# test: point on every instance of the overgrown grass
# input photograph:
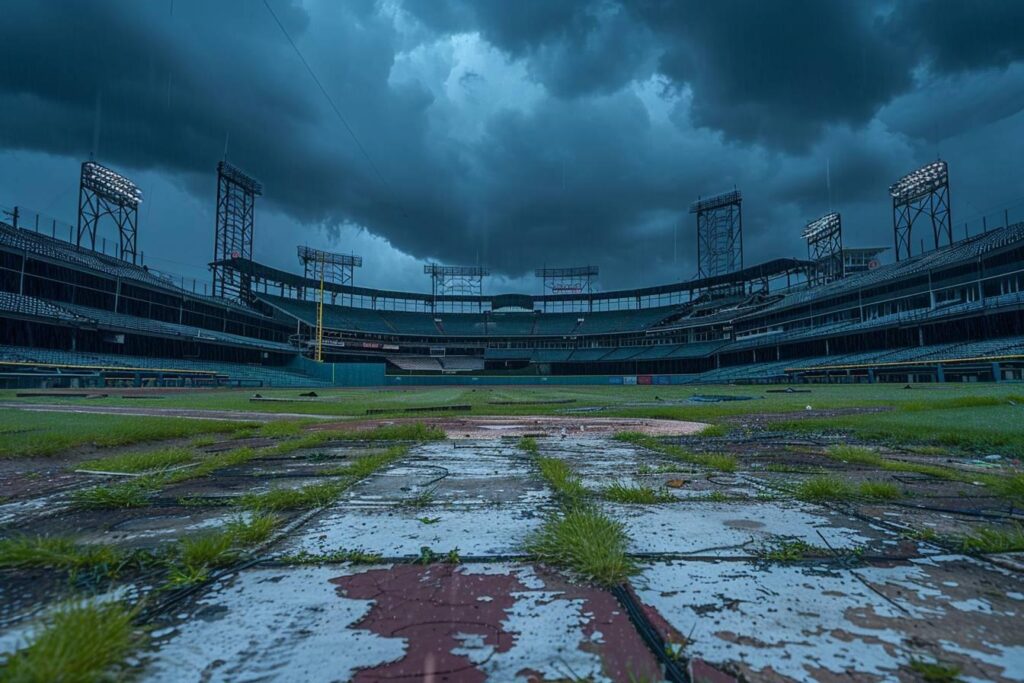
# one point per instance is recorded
(253, 531)
(311, 496)
(971, 424)
(529, 445)
(878, 490)
(325, 493)
(712, 431)
(196, 555)
(406, 431)
(824, 489)
(562, 479)
(355, 556)
(855, 454)
(41, 434)
(79, 642)
(935, 672)
(865, 456)
(280, 428)
(129, 494)
(994, 540)
(722, 462)
(635, 495)
(139, 462)
(792, 551)
(586, 542)
(828, 488)
(59, 552)
(365, 465)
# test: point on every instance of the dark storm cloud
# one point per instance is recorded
(960, 36)
(569, 161)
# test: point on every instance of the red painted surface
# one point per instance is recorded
(428, 605)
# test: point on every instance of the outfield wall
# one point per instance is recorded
(535, 380)
(342, 374)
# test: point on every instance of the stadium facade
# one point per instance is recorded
(72, 315)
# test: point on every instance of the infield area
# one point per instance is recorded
(538, 534)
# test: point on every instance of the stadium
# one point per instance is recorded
(77, 316)
(485, 378)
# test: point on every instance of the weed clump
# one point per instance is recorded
(139, 462)
(79, 642)
(130, 494)
(994, 540)
(824, 489)
(312, 496)
(355, 556)
(563, 480)
(636, 495)
(722, 462)
(529, 445)
(586, 542)
(935, 672)
(58, 552)
(878, 490)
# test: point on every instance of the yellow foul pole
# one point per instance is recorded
(320, 317)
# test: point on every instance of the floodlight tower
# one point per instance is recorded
(825, 247)
(719, 233)
(576, 280)
(103, 192)
(924, 191)
(326, 266)
(236, 210)
(454, 281)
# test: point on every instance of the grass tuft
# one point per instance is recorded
(563, 480)
(130, 494)
(854, 454)
(722, 462)
(197, 555)
(79, 642)
(280, 428)
(416, 431)
(312, 496)
(586, 542)
(365, 465)
(994, 540)
(878, 490)
(139, 462)
(58, 552)
(635, 495)
(935, 672)
(254, 531)
(355, 556)
(792, 551)
(824, 489)
(712, 431)
(529, 445)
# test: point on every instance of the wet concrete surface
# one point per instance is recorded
(873, 601)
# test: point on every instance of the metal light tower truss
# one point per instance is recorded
(455, 280)
(825, 248)
(236, 210)
(327, 266)
(719, 234)
(103, 192)
(578, 280)
(922, 192)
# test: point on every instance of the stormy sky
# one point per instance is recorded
(513, 134)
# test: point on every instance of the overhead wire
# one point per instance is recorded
(330, 100)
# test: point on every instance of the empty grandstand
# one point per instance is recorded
(72, 315)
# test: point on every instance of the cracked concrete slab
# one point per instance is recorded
(805, 622)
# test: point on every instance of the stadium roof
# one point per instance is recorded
(768, 269)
